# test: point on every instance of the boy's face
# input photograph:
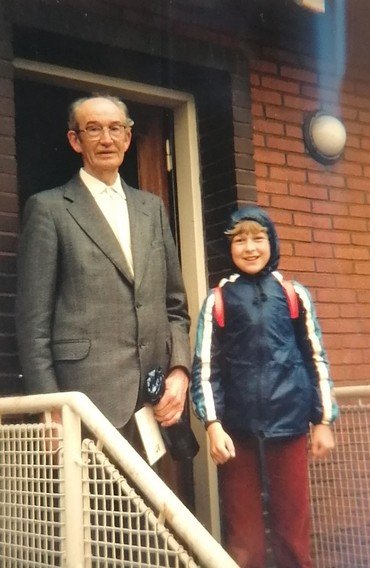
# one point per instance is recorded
(250, 252)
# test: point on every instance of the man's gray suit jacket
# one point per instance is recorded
(83, 323)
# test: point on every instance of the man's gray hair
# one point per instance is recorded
(73, 108)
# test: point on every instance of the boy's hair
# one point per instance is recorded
(245, 226)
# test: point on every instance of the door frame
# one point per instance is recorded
(191, 228)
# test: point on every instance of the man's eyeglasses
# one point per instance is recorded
(95, 131)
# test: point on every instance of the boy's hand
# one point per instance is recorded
(221, 445)
(322, 441)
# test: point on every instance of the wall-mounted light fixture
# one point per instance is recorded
(324, 136)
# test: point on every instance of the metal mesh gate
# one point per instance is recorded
(340, 494)
(93, 503)
(31, 499)
(121, 529)
(60, 500)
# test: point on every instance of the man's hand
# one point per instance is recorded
(169, 409)
(221, 445)
(322, 441)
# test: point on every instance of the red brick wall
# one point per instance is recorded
(322, 213)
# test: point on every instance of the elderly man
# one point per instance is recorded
(100, 297)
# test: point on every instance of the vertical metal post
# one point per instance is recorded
(73, 489)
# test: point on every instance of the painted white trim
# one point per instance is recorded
(190, 221)
(131, 90)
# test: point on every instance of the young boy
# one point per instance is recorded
(259, 378)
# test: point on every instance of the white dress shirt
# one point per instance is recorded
(112, 202)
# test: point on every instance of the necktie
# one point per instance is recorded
(119, 222)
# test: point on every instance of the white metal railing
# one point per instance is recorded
(76, 507)
(63, 503)
(340, 487)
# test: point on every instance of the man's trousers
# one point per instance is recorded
(241, 487)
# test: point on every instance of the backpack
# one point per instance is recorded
(290, 293)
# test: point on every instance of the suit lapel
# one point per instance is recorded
(83, 208)
(140, 228)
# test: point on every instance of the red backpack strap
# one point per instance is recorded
(218, 307)
(290, 293)
(292, 299)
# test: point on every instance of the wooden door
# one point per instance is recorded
(153, 155)
(152, 144)
(150, 133)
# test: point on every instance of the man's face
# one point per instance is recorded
(103, 155)
(250, 252)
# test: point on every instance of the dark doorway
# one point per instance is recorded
(44, 156)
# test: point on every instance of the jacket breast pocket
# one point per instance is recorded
(70, 350)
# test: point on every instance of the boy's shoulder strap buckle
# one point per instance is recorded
(290, 293)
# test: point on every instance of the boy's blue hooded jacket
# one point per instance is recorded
(262, 374)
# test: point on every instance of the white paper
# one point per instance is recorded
(150, 434)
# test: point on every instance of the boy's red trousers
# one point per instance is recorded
(289, 518)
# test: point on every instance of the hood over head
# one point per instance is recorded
(255, 213)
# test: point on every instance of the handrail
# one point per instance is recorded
(208, 551)
(352, 391)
